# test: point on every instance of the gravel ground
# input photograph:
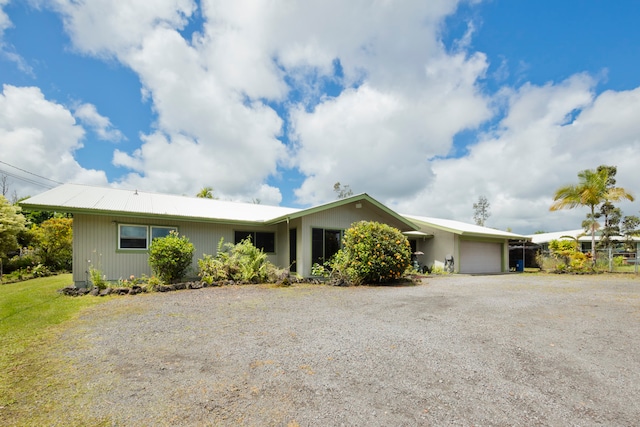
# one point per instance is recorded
(516, 350)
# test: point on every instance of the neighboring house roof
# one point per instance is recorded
(556, 235)
(81, 198)
(579, 235)
(463, 228)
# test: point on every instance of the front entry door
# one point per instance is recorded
(293, 249)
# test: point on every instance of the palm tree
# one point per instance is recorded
(594, 188)
(206, 193)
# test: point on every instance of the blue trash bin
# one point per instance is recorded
(520, 265)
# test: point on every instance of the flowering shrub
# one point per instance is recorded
(372, 253)
(569, 258)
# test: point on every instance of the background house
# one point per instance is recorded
(113, 229)
(584, 242)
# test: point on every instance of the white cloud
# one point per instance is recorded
(208, 92)
(390, 130)
(105, 28)
(208, 132)
(7, 51)
(535, 151)
(88, 114)
(379, 139)
(5, 22)
(40, 135)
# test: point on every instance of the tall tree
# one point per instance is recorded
(630, 229)
(4, 184)
(12, 222)
(343, 191)
(610, 214)
(54, 243)
(594, 188)
(481, 211)
(611, 225)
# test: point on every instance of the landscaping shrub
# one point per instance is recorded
(54, 242)
(568, 258)
(242, 262)
(20, 263)
(372, 253)
(170, 257)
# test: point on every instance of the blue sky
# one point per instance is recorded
(425, 107)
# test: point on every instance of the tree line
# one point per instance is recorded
(33, 243)
(597, 190)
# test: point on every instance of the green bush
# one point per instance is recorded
(20, 263)
(568, 257)
(54, 243)
(618, 261)
(241, 262)
(170, 257)
(372, 253)
(97, 278)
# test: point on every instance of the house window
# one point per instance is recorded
(157, 232)
(324, 244)
(137, 236)
(260, 239)
(132, 237)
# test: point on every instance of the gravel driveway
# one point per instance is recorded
(516, 350)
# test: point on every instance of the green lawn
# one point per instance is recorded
(32, 317)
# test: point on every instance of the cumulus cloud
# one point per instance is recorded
(6, 50)
(105, 28)
(403, 96)
(548, 135)
(225, 94)
(5, 22)
(40, 135)
(101, 125)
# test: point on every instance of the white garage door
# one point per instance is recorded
(480, 257)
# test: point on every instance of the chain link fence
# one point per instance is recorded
(611, 260)
(617, 261)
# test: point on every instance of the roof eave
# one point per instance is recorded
(342, 202)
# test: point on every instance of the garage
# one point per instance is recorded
(480, 257)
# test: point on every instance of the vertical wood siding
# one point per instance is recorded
(96, 241)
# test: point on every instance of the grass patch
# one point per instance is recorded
(33, 380)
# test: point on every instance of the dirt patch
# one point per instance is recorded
(517, 350)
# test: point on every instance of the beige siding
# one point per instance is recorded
(444, 243)
(339, 218)
(96, 241)
(436, 248)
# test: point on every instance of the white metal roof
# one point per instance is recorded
(74, 197)
(464, 228)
